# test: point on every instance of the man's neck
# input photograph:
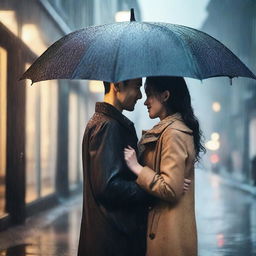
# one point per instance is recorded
(112, 101)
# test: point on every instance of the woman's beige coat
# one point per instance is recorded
(168, 156)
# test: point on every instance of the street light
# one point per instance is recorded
(96, 86)
(214, 143)
(216, 106)
(215, 136)
(122, 16)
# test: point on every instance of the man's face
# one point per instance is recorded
(129, 93)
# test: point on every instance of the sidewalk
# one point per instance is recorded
(53, 232)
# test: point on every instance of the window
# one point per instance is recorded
(41, 139)
(77, 123)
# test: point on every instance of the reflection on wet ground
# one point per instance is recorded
(226, 220)
(54, 233)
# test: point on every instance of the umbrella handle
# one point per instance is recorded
(132, 18)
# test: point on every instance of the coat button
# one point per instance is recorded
(152, 236)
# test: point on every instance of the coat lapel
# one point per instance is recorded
(153, 134)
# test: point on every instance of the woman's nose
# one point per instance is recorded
(146, 102)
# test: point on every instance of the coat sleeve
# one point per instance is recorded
(167, 183)
(108, 170)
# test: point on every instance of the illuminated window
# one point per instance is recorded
(41, 139)
(8, 18)
(3, 112)
(32, 37)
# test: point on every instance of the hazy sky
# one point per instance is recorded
(185, 12)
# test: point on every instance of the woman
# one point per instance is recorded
(168, 154)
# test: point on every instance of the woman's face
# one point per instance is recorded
(156, 108)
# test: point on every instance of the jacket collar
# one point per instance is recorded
(109, 110)
(174, 120)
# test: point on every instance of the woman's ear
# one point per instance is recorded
(165, 96)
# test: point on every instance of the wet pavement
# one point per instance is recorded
(226, 221)
(53, 233)
(226, 218)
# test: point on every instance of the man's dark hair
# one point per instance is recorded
(107, 85)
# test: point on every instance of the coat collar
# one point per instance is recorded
(108, 109)
(174, 120)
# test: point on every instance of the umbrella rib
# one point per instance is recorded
(90, 27)
(197, 72)
(226, 48)
(233, 55)
(118, 48)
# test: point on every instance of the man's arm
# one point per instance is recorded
(107, 169)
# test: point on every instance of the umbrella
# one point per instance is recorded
(125, 50)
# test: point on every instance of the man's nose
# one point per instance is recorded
(146, 102)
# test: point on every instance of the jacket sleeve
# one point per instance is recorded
(108, 168)
(167, 183)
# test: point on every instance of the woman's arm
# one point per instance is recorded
(168, 182)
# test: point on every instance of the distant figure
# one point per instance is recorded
(169, 152)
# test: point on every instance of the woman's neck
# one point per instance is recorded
(165, 113)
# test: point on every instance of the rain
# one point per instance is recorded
(42, 126)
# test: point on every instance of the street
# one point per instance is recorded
(226, 218)
(226, 221)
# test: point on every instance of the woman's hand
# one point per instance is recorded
(131, 160)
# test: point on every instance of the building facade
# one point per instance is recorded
(41, 126)
(234, 25)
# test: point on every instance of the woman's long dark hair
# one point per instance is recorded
(179, 101)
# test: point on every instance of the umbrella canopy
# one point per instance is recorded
(121, 51)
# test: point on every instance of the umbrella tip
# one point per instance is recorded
(132, 18)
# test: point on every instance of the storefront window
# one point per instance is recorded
(41, 139)
(3, 119)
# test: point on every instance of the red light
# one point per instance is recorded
(215, 159)
(220, 240)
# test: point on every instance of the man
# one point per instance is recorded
(114, 219)
(115, 207)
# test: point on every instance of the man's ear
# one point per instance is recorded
(165, 96)
(117, 87)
